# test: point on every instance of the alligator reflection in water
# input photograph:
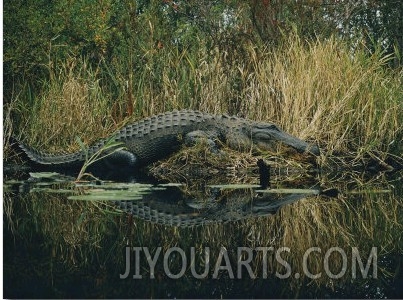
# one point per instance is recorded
(56, 247)
(175, 208)
(173, 204)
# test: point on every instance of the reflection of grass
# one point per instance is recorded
(77, 232)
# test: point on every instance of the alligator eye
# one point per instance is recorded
(273, 127)
(267, 126)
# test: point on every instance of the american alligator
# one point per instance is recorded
(172, 207)
(156, 137)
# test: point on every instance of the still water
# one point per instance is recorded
(336, 236)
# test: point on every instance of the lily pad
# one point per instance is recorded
(113, 192)
(234, 186)
(50, 176)
(289, 191)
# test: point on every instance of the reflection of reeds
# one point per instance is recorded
(77, 232)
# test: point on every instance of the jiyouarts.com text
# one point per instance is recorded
(141, 262)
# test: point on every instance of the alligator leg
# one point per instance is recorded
(121, 158)
(199, 135)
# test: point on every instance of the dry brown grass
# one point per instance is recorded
(349, 103)
(72, 105)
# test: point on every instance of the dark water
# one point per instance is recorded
(338, 238)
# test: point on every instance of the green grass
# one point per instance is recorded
(350, 103)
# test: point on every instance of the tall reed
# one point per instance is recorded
(320, 91)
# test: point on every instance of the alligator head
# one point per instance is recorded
(264, 134)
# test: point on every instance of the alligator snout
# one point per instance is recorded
(313, 149)
(298, 144)
(273, 133)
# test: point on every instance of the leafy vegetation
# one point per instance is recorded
(110, 148)
(85, 69)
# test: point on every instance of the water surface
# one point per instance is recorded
(99, 239)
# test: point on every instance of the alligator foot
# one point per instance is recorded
(192, 138)
(264, 173)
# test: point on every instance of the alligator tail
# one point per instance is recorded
(43, 158)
